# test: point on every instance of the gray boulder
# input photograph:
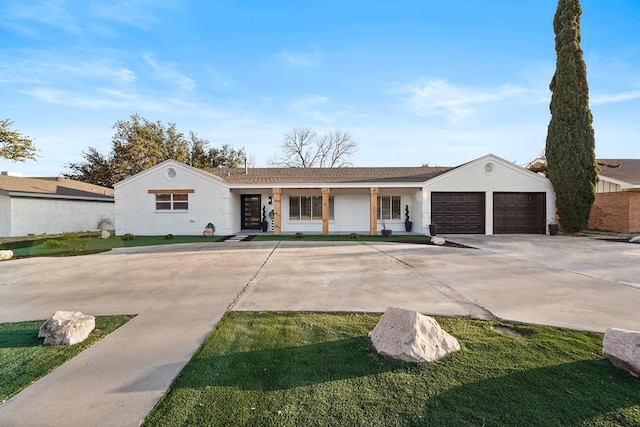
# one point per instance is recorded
(438, 241)
(66, 327)
(622, 348)
(635, 239)
(411, 337)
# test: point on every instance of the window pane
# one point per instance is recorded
(316, 207)
(294, 208)
(395, 207)
(305, 208)
(163, 206)
(386, 207)
(181, 206)
(180, 197)
(331, 207)
(163, 197)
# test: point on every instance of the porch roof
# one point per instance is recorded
(350, 175)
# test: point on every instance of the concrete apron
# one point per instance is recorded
(180, 292)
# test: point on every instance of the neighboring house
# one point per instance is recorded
(617, 203)
(485, 196)
(51, 205)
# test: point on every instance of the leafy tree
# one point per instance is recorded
(304, 148)
(139, 144)
(13, 145)
(570, 145)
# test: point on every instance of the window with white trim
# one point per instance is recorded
(388, 207)
(172, 202)
(308, 208)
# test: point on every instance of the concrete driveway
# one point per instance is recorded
(179, 292)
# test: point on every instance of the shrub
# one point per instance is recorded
(74, 242)
(128, 236)
(299, 235)
(353, 235)
(168, 236)
(52, 244)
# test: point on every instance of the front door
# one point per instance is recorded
(251, 205)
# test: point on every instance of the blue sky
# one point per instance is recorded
(437, 82)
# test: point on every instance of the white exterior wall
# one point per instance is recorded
(5, 216)
(472, 177)
(136, 208)
(53, 216)
(607, 187)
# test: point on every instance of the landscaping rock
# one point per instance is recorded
(105, 234)
(622, 348)
(635, 239)
(411, 337)
(438, 241)
(7, 254)
(66, 327)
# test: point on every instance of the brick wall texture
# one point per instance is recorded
(618, 212)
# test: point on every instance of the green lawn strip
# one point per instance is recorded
(38, 247)
(25, 359)
(319, 369)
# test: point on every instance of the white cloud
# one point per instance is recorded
(437, 97)
(307, 107)
(137, 13)
(299, 59)
(168, 72)
(610, 98)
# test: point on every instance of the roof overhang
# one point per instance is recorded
(26, 195)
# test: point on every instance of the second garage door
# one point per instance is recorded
(458, 213)
(519, 213)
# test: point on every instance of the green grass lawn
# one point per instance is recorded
(23, 358)
(94, 244)
(319, 369)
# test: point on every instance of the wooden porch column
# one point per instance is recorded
(373, 214)
(325, 211)
(277, 206)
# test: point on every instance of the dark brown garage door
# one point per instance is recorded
(522, 213)
(458, 213)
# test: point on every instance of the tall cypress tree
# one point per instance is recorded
(570, 146)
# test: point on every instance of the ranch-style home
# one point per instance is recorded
(51, 205)
(617, 203)
(485, 196)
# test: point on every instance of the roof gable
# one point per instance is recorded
(170, 163)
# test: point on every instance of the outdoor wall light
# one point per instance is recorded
(270, 200)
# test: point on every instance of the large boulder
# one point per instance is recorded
(66, 327)
(438, 241)
(6, 254)
(411, 337)
(635, 239)
(622, 348)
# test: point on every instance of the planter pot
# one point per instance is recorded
(386, 233)
(433, 230)
(553, 229)
(408, 225)
(264, 226)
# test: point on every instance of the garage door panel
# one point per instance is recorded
(458, 213)
(522, 213)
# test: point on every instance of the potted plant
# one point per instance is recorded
(264, 225)
(553, 227)
(385, 231)
(433, 229)
(408, 225)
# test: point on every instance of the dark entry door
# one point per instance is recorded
(251, 204)
(458, 213)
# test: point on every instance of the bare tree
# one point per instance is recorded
(304, 148)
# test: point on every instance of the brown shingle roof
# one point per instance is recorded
(328, 175)
(627, 170)
(53, 186)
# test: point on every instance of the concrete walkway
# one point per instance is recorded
(179, 292)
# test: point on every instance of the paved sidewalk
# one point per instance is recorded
(179, 292)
